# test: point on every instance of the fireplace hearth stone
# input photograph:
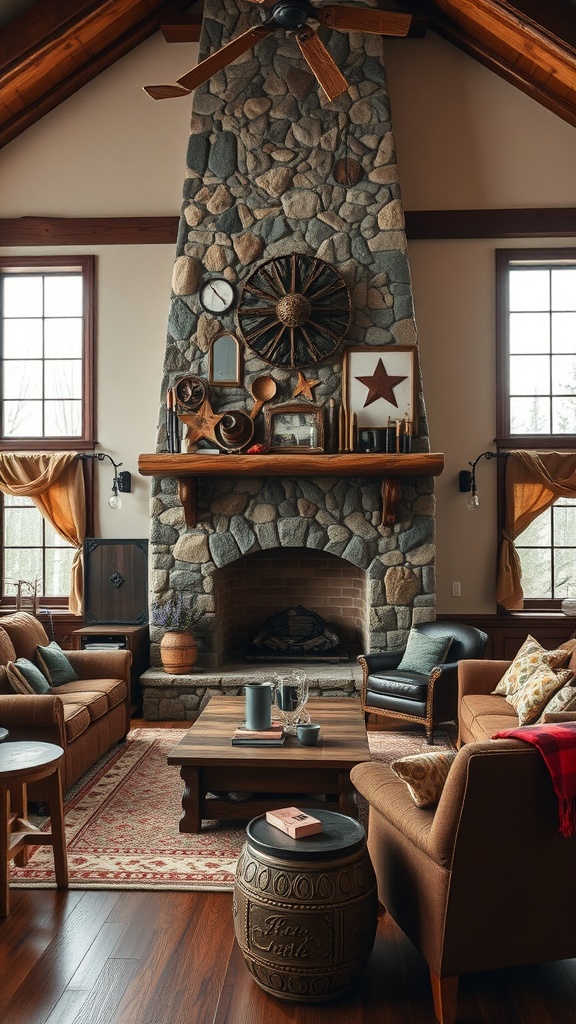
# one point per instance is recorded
(181, 698)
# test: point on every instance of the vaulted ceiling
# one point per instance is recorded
(51, 48)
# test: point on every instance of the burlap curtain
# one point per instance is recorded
(55, 483)
(533, 482)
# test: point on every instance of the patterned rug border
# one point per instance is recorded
(96, 801)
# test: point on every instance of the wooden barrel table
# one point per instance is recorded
(305, 910)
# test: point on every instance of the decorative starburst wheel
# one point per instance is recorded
(294, 310)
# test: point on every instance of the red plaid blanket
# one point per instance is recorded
(557, 744)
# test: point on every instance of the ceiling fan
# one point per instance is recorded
(293, 15)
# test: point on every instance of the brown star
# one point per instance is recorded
(304, 387)
(202, 423)
(381, 385)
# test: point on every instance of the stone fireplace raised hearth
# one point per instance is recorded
(274, 168)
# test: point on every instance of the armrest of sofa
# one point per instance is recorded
(33, 716)
(480, 676)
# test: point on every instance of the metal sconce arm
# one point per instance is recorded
(467, 478)
(122, 482)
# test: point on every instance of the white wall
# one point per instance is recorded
(465, 139)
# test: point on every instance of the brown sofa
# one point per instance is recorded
(482, 713)
(85, 717)
(482, 880)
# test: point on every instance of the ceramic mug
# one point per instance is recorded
(308, 733)
(258, 705)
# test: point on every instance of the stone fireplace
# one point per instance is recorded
(273, 168)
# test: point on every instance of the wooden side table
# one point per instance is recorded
(21, 763)
(135, 639)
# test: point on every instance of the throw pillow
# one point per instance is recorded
(530, 657)
(55, 665)
(563, 700)
(25, 677)
(425, 774)
(423, 652)
(531, 699)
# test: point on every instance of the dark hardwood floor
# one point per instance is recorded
(171, 958)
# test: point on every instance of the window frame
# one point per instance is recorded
(86, 265)
(506, 441)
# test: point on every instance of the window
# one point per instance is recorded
(537, 348)
(47, 391)
(46, 353)
(536, 344)
(547, 552)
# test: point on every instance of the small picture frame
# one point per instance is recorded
(295, 427)
(225, 365)
(379, 384)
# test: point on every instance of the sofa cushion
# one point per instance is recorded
(481, 715)
(96, 703)
(54, 664)
(530, 700)
(425, 774)
(7, 652)
(530, 657)
(423, 652)
(76, 720)
(26, 677)
(113, 689)
(25, 633)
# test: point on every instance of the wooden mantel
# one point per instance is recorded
(187, 468)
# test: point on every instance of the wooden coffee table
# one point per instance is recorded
(273, 776)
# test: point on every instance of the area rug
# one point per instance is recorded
(122, 822)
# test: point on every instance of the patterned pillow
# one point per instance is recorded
(55, 665)
(425, 774)
(531, 699)
(424, 652)
(530, 657)
(563, 700)
(25, 677)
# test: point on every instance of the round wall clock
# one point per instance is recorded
(217, 295)
(294, 310)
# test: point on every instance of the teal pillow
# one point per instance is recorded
(32, 675)
(423, 652)
(55, 665)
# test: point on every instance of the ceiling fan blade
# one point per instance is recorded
(165, 92)
(321, 63)
(362, 19)
(216, 62)
(228, 53)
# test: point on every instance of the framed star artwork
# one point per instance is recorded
(378, 384)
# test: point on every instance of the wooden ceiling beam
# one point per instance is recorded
(58, 46)
(504, 38)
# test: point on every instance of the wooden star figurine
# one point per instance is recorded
(304, 387)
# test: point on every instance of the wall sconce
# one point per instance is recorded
(467, 478)
(122, 482)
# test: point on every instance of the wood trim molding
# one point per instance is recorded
(420, 225)
(522, 223)
(88, 230)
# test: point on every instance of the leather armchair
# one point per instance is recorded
(482, 881)
(424, 697)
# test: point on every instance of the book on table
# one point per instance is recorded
(272, 737)
(294, 822)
